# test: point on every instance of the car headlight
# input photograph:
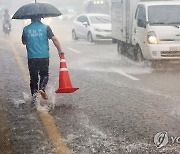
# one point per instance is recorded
(151, 38)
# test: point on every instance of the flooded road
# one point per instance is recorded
(120, 107)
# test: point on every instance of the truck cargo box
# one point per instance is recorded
(122, 19)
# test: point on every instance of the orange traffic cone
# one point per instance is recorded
(65, 85)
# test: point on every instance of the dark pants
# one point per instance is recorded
(38, 69)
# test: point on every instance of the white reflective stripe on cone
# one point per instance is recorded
(62, 60)
(63, 69)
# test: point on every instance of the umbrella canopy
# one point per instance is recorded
(36, 9)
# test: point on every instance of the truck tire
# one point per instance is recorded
(121, 48)
(138, 56)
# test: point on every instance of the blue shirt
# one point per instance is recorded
(36, 37)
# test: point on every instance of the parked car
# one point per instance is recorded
(92, 27)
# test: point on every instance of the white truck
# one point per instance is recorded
(147, 29)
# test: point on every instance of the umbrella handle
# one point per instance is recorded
(35, 1)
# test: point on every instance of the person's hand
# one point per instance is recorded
(61, 54)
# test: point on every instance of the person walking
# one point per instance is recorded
(36, 38)
(6, 19)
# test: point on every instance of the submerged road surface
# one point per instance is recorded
(122, 107)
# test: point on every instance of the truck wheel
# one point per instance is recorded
(121, 48)
(138, 54)
(74, 37)
(89, 37)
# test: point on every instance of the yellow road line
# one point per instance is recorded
(47, 120)
(54, 133)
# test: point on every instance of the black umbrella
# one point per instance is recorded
(36, 9)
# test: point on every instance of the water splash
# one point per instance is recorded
(112, 61)
(19, 102)
(41, 105)
(26, 97)
(52, 96)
